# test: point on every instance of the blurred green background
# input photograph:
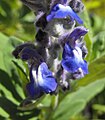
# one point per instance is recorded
(85, 100)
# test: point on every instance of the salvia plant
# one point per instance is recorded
(57, 56)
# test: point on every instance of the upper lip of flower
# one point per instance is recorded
(77, 33)
(61, 11)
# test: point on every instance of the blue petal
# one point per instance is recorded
(32, 87)
(84, 67)
(74, 15)
(41, 80)
(58, 11)
(30, 53)
(71, 37)
(33, 90)
(67, 51)
(77, 33)
(65, 1)
(61, 11)
(19, 48)
(46, 80)
(72, 60)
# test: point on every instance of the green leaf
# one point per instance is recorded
(22, 74)
(75, 102)
(98, 45)
(10, 78)
(4, 113)
(98, 107)
(2, 46)
(96, 6)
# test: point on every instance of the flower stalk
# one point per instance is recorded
(58, 32)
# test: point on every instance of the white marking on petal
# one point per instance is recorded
(78, 54)
(40, 74)
(35, 76)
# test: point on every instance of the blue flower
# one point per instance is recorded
(77, 33)
(72, 60)
(32, 54)
(72, 57)
(41, 81)
(61, 11)
(19, 48)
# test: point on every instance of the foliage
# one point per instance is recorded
(17, 26)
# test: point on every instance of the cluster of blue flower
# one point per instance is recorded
(51, 41)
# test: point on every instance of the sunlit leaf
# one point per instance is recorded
(98, 107)
(75, 102)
